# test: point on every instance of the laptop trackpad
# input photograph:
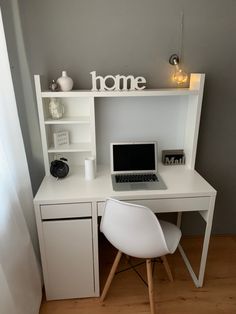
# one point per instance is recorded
(138, 186)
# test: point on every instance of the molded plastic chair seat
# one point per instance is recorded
(136, 231)
(172, 235)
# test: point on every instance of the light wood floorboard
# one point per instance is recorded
(128, 294)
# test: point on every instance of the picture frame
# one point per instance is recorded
(61, 138)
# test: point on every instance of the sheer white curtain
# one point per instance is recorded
(20, 282)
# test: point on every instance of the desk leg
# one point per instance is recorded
(95, 250)
(199, 280)
(179, 219)
(206, 242)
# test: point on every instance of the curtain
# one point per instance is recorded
(20, 280)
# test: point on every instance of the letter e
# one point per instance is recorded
(139, 80)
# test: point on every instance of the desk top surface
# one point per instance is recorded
(180, 182)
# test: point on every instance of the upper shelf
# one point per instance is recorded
(146, 92)
(195, 85)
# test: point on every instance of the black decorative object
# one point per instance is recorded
(53, 86)
(173, 157)
(59, 168)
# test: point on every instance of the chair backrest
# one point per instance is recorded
(133, 229)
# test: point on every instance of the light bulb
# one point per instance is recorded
(179, 75)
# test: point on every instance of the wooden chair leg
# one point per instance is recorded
(167, 268)
(150, 285)
(111, 275)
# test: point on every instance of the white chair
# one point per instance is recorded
(135, 231)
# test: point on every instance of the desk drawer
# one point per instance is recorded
(71, 210)
(163, 205)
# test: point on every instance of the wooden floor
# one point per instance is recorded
(128, 294)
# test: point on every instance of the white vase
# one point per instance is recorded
(65, 82)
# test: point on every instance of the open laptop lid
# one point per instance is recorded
(133, 157)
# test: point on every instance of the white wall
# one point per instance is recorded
(142, 119)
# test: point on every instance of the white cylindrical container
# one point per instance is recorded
(90, 168)
(65, 82)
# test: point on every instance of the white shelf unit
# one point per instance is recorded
(79, 118)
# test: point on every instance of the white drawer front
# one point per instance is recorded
(61, 211)
(168, 204)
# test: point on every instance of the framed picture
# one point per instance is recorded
(61, 138)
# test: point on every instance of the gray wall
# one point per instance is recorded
(137, 37)
(25, 95)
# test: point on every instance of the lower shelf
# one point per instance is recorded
(73, 147)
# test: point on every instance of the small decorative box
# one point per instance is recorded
(173, 157)
(61, 138)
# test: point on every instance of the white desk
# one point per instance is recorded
(67, 211)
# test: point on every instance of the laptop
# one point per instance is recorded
(134, 166)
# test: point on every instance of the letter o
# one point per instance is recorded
(107, 78)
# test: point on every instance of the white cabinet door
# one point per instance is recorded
(69, 258)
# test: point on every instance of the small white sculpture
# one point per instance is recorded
(117, 81)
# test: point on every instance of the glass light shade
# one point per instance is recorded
(180, 76)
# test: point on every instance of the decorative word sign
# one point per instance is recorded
(173, 157)
(117, 83)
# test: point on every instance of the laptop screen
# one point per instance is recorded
(133, 157)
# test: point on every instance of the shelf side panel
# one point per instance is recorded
(41, 123)
(92, 127)
(193, 119)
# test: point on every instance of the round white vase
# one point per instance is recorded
(65, 82)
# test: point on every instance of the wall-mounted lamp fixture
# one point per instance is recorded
(179, 75)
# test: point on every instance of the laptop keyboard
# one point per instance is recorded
(150, 177)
